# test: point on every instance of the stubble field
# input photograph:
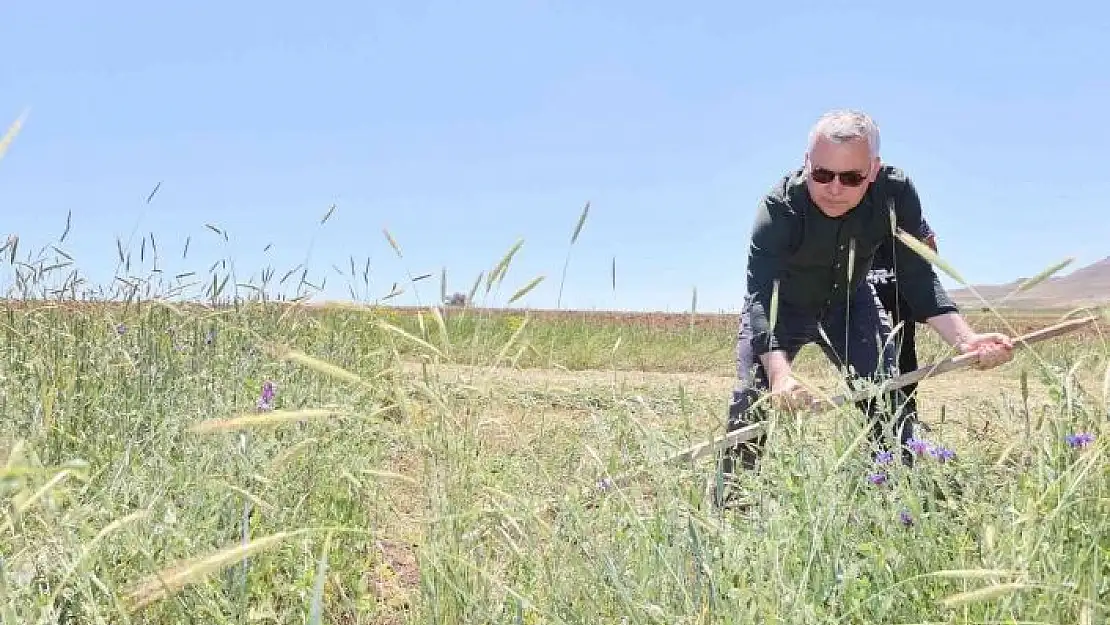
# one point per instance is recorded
(271, 463)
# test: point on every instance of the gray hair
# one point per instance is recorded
(846, 125)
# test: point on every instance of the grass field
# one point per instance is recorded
(283, 463)
(287, 464)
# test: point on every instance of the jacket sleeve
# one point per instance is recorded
(772, 234)
(918, 281)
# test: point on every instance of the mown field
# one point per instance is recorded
(284, 464)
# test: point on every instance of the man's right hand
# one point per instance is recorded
(789, 394)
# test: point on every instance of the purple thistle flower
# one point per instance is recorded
(1081, 439)
(942, 454)
(878, 479)
(266, 401)
(884, 457)
(905, 518)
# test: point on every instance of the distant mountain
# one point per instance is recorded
(1085, 286)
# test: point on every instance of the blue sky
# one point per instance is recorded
(463, 127)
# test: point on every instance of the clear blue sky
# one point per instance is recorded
(463, 126)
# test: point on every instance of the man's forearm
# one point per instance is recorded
(777, 366)
(952, 327)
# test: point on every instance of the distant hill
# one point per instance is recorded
(1085, 286)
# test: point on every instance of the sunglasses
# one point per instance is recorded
(820, 175)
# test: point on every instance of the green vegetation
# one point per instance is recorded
(399, 485)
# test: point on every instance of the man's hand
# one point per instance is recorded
(789, 394)
(993, 348)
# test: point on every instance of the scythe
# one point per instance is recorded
(755, 430)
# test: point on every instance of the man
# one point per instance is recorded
(884, 279)
(812, 244)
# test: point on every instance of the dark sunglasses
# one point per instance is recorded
(821, 175)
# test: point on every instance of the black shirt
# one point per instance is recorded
(809, 253)
(887, 255)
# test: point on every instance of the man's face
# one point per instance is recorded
(852, 162)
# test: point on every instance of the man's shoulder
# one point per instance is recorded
(788, 191)
(892, 180)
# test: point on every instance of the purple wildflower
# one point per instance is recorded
(266, 401)
(884, 457)
(942, 454)
(1081, 439)
(918, 446)
(905, 518)
(121, 328)
(878, 479)
(210, 337)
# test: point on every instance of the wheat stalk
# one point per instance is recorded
(172, 579)
(13, 130)
(269, 419)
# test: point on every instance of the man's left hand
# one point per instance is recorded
(993, 348)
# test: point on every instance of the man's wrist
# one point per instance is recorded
(776, 380)
(777, 366)
(962, 344)
(964, 335)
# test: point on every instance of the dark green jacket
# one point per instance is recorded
(807, 252)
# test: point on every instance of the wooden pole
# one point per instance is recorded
(753, 431)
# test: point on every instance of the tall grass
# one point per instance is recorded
(183, 456)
